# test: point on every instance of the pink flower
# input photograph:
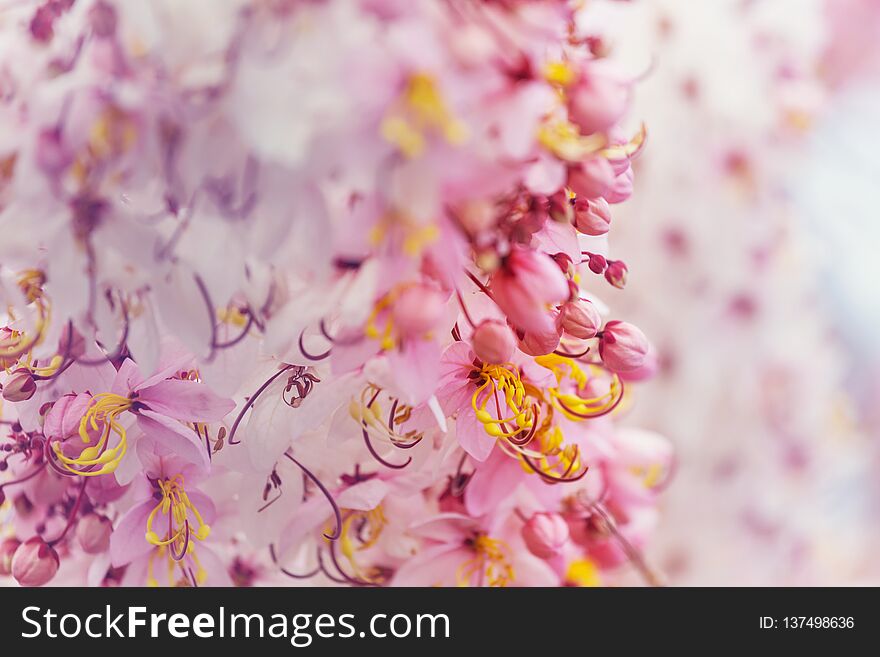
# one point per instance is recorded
(170, 516)
(527, 286)
(81, 426)
(622, 346)
(464, 551)
(545, 534)
(35, 562)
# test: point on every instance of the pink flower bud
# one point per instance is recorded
(417, 310)
(35, 562)
(20, 386)
(592, 216)
(648, 369)
(592, 179)
(596, 263)
(616, 273)
(540, 344)
(493, 342)
(622, 346)
(93, 533)
(526, 288)
(7, 549)
(597, 103)
(545, 534)
(580, 319)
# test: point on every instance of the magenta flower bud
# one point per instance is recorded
(580, 319)
(616, 273)
(545, 534)
(417, 310)
(35, 562)
(7, 549)
(93, 533)
(623, 347)
(20, 386)
(596, 263)
(493, 342)
(592, 179)
(597, 103)
(592, 216)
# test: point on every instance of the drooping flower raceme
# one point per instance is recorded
(311, 292)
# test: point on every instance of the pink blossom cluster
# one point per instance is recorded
(308, 292)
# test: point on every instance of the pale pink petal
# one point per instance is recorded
(187, 401)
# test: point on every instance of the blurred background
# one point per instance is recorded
(753, 238)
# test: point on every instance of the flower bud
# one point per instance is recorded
(527, 286)
(545, 534)
(493, 342)
(616, 273)
(597, 103)
(596, 263)
(580, 319)
(623, 347)
(540, 344)
(592, 179)
(592, 216)
(35, 562)
(7, 549)
(93, 533)
(417, 310)
(20, 386)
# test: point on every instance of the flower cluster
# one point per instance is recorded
(302, 290)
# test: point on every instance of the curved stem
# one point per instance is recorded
(336, 534)
(73, 513)
(250, 402)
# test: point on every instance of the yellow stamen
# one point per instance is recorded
(503, 379)
(419, 111)
(177, 506)
(368, 528)
(573, 405)
(103, 416)
(583, 572)
(490, 564)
